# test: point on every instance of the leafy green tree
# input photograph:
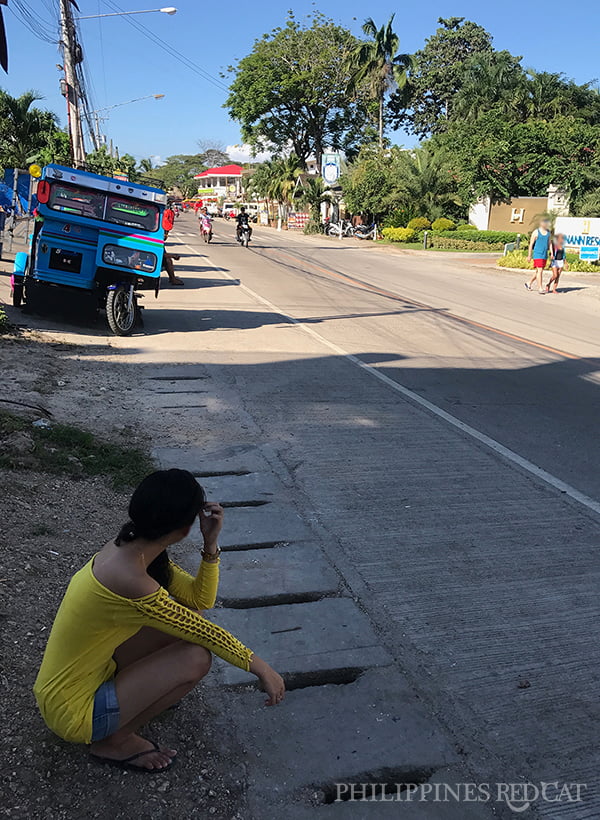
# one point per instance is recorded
(57, 149)
(502, 159)
(178, 171)
(377, 64)
(589, 204)
(291, 91)
(425, 104)
(25, 131)
(369, 185)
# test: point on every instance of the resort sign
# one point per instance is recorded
(579, 232)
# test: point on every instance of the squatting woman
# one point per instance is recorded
(129, 639)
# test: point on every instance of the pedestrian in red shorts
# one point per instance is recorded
(539, 245)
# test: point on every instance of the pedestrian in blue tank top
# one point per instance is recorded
(539, 245)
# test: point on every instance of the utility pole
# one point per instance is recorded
(71, 56)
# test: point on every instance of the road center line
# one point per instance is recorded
(482, 438)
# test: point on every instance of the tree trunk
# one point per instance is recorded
(381, 123)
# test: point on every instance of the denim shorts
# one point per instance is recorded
(106, 716)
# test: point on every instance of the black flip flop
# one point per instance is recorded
(127, 763)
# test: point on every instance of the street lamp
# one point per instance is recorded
(167, 10)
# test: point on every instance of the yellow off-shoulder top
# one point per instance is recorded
(92, 622)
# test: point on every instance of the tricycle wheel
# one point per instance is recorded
(17, 295)
(120, 314)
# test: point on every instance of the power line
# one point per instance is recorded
(169, 49)
(31, 20)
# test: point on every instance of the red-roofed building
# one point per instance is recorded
(225, 181)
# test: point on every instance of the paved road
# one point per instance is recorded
(483, 573)
(438, 428)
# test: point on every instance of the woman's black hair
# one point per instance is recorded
(165, 501)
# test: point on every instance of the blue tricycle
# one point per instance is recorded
(95, 239)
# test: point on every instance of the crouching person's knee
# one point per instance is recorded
(197, 662)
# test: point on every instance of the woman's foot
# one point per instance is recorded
(150, 757)
(176, 282)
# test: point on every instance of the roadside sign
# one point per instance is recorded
(331, 168)
(589, 253)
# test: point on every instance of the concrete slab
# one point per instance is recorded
(435, 804)
(230, 489)
(297, 572)
(374, 728)
(236, 459)
(174, 372)
(322, 639)
(271, 524)
(187, 385)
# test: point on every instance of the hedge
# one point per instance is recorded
(491, 237)
(518, 259)
(448, 240)
(399, 234)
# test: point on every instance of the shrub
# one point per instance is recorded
(399, 234)
(313, 226)
(443, 224)
(466, 226)
(518, 259)
(395, 219)
(419, 223)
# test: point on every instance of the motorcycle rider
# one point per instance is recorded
(205, 222)
(243, 221)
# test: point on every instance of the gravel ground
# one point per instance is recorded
(51, 525)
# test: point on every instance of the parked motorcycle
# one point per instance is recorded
(366, 231)
(343, 228)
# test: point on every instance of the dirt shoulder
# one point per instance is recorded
(53, 522)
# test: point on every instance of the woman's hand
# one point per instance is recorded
(211, 524)
(272, 683)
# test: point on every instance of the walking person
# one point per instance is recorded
(130, 640)
(539, 245)
(558, 262)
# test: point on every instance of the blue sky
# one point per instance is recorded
(123, 64)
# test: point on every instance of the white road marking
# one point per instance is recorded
(489, 442)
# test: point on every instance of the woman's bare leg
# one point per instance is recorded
(145, 688)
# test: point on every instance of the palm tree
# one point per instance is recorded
(491, 80)
(24, 130)
(275, 180)
(312, 194)
(377, 64)
(425, 184)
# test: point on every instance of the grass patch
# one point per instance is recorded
(4, 323)
(65, 450)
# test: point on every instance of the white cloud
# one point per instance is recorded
(243, 153)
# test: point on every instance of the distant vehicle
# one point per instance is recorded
(230, 209)
(213, 209)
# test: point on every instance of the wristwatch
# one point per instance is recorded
(211, 557)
